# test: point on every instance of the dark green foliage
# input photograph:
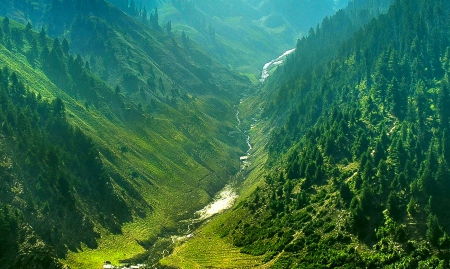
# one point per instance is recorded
(56, 166)
(434, 230)
(365, 139)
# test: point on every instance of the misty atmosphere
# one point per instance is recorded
(224, 134)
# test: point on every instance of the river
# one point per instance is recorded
(222, 201)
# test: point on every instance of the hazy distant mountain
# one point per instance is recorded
(300, 14)
(245, 33)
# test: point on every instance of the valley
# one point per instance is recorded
(224, 134)
(186, 229)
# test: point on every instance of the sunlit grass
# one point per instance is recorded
(116, 247)
(208, 249)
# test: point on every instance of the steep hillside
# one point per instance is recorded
(140, 58)
(320, 46)
(54, 176)
(358, 175)
(53, 179)
(116, 170)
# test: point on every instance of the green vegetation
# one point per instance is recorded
(117, 164)
(119, 126)
(208, 249)
(357, 170)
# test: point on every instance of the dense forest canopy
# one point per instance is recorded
(359, 172)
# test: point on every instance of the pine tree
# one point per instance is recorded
(442, 178)
(65, 47)
(169, 27)
(393, 206)
(6, 25)
(412, 205)
(444, 103)
(28, 27)
(427, 182)
(42, 37)
(346, 193)
(144, 15)
(434, 230)
(445, 145)
(154, 19)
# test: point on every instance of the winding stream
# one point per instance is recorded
(237, 117)
(222, 201)
(249, 145)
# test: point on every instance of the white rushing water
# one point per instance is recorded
(249, 145)
(272, 64)
(237, 117)
(222, 201)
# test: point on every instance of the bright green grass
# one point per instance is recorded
(115, 247)
(161, 150)
(254, 78)
(171, 176)
(207, 249)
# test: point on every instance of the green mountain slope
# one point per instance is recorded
(366, 185)
(321, 46)
(154, 150)
(45, 183)
(123, 51)
(53, 174)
